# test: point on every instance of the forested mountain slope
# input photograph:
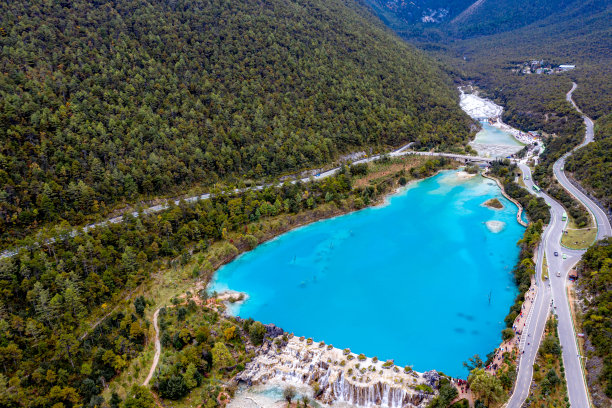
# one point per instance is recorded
(592, 164)
(107, 101)
(595, 287)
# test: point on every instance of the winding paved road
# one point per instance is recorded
(553, 292)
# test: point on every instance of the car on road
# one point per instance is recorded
(564, 256)
(558, 273)
(556, 253)
(526, 177)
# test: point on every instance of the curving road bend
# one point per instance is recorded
(554, 291)
(603, 223)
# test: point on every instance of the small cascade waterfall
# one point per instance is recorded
(378, 394)
(337, 375)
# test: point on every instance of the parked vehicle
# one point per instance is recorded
(556, 253)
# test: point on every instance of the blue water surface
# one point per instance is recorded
(410, 280)
(490, 135)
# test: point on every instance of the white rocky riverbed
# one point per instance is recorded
(479, 108)
(337, 377)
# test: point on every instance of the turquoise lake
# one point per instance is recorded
(409, 280)
(494, 136)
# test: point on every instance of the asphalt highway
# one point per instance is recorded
(552, 293)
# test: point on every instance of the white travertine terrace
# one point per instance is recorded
(338, 376)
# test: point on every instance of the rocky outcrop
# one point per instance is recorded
(337, 375)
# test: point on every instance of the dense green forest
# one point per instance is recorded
(596, 284)
(111, 101)
(201, 346)
(592, 164)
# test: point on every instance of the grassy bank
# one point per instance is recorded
(578, 238)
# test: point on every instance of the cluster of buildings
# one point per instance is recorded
(541, 67)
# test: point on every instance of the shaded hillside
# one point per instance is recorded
(452, 19)
(115, 100)
(498, 16)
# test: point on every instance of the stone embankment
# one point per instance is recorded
(520, 207)
(337, 375)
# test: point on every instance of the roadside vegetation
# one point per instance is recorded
(549, 388)
(594, 311)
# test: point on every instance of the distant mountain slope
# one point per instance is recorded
(465, 18)
(401, 13)
(107, 101)
(486, 17)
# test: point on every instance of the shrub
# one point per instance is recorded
(251, 241)
(507, 334)
(257, 332)
(289, 393)
(361, 357)
(424, 387)
(360, 169)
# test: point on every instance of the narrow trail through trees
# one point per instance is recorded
(157, 349)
